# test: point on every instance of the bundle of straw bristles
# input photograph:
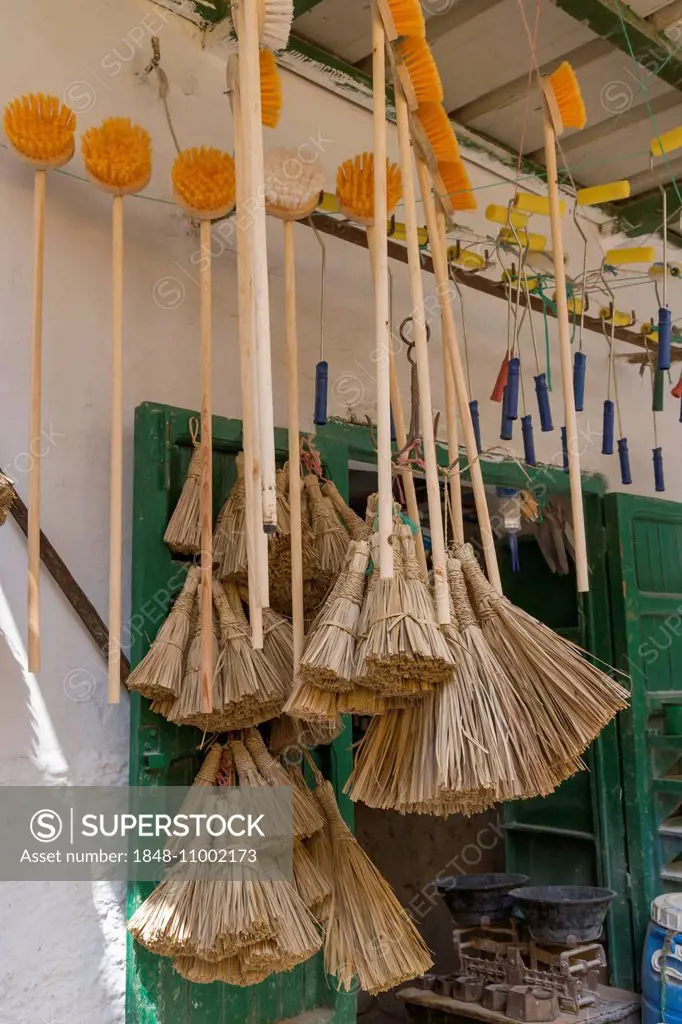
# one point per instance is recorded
(242, 931)
(494, 706)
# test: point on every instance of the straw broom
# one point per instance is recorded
(159, 674)
(357, 528)
(369, 936)
(229, 540)
(272, 665)
(312, 705)
(187, 707)
(328, 657)
(314, 888)
(306, 817)
(183, 533)
(570, 700)
(331, 537)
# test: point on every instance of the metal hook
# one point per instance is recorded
(413, 432)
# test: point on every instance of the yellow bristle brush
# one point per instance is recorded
(453, 186)
(40, 130)
(563, 108)
(417, 71)
(355, 188)
(433, 133)
(204, 186)
(118, 159)
(270, 90)
(294, 179)
(402, 18)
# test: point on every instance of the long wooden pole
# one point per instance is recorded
(440, 580)
(454, 475)
(116, 468)
(35, 427)
(249, 73)
(580, 540)
(206, 494)
(406, 472)
(296, 532)
(444, 298)
(381, 300)
(245, 307)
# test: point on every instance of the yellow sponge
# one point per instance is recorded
(608, 193)
(529, 203)
(501, 215)
(643, 254)
(667, 142)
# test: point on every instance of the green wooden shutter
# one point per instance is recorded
(645, 560)
(163, 754)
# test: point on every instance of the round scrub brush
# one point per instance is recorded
(417, 71)
(433, 132)
(204, 186)
(274, 23)
(563, 108)
(402, 18)
(294, 179)
(270, 90)
(117, 157)
(40, 129)
(355, 188)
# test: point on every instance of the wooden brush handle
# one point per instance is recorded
(116, 485)
(254, 529)
(454, 475)
(252, 138)
(443, 285)
(401, 433)
(296, 532)
(206, 493)
(440, 581)
(381, 300)
(580, 542)
(35, 425)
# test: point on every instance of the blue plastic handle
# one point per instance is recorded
(564, 448)
(658, 469)
(665, 333)
(321, 383)
(579, 374)
(608, 434)
(393, 436)
(507, 428)
(511, 394)
(624, 456)
(476, 421)
(544, 408)
(528, 441)
(514, 552)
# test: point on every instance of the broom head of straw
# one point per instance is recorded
(40, 129)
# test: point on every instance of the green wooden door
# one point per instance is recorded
(576, 835)
(645, 560)
(163, 754)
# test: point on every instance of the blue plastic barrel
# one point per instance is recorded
(662, 962)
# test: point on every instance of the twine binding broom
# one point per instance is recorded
(331, 537)
(570, 699)
(369, 936)
(187, 708)
(357, 528)
(183, 533)
(159, 674)
(328, 658)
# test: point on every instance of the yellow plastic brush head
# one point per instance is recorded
(667, 142)
(118, 155)
(534, 243)
(270, 90)
(501, 215)
(618, 257)
(355, 188)
(526, 202)
(438, 132)
(456, 193)
(415, 54)
(204, 183)
(40, 129)
(402, 18)
(566, 94)
(294, 179)
(608, 193)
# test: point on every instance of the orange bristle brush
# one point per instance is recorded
(117, 158)
(40, 130)
(402, 18)
(434, 134)
(355, 188)
(417, 71)
(563, 108)
(204, 186)
(270, 90)
(454, 187)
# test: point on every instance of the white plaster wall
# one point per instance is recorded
(62, 946)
